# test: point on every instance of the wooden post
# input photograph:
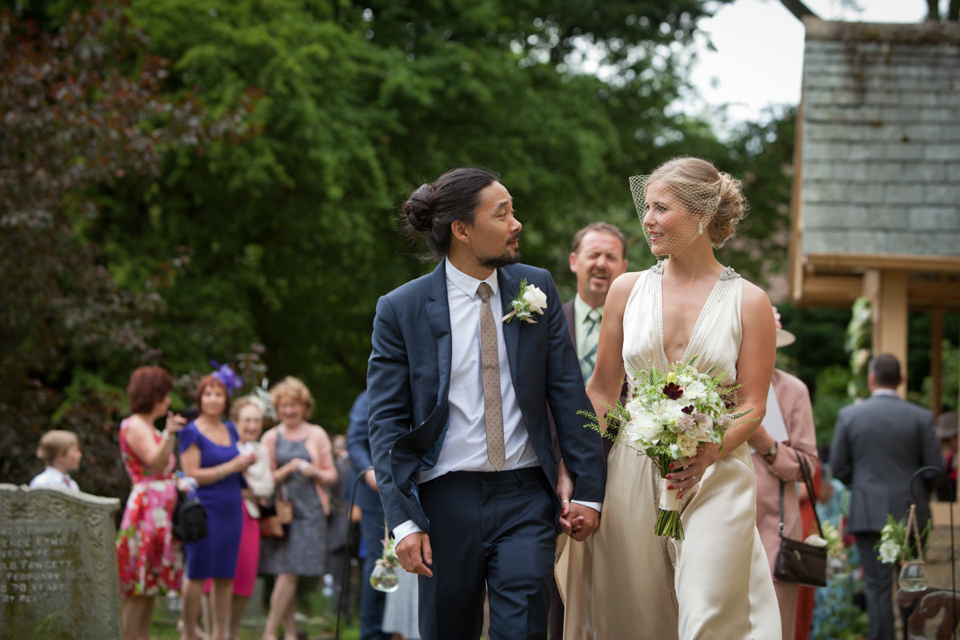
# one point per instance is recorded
(936, 361)
(887, 290)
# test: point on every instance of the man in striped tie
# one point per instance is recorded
(598, 255)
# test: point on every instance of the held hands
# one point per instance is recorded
(578, 521)
(686, 473)
(415, 553)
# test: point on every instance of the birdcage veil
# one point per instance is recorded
(712, 200)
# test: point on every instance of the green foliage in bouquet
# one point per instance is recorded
(668, 415)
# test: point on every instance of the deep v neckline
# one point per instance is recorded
(715, 293)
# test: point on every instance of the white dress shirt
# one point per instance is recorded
(465, 443)
(54, 479)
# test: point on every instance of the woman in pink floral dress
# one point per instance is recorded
(149, 562)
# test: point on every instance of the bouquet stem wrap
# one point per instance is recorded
(668, 516)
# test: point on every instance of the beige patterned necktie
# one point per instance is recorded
(490, 366)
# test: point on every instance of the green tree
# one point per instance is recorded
(289, 238)
(81, 108)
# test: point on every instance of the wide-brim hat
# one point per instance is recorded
(946, 425)
(785, 338)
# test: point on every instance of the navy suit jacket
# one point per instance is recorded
(408, 384)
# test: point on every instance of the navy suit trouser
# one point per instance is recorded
(371, 600)
(491, 534)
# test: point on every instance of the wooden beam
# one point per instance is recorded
(798, 9)
(818, 289)
(832, 290)
(859, 262)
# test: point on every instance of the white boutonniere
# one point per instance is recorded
(529, 300)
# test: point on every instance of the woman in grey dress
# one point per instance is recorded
(302, 462)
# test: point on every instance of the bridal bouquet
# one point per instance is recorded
(667, 416)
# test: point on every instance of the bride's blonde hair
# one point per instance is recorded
(705, 192)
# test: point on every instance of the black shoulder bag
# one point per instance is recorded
(798, 561)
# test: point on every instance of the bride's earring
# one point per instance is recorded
(701, 228)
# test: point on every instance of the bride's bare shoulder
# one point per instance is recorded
(756, 311)
(621, 288)
(754, 297)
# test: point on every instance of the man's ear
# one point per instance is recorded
(573, 261)
(459, 230)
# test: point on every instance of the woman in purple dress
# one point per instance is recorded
(209, 454)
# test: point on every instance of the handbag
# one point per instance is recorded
(798, 561)
(274, 517)
(189, 518)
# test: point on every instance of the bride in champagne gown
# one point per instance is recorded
(624, 581)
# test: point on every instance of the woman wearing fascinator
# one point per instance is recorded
(626, 581)
(209, 454)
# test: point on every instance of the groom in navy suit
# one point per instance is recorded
(458, 421)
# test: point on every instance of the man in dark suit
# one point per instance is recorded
(878, 446)
(458, 400)
(367, 497)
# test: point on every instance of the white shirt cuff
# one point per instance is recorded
(593, 505)
(404, 529)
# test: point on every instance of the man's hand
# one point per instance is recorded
(581, 521)
(564, 487)
(371, 479)
(415, 553)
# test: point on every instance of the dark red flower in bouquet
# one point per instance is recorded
(688, 409)
(673, 391)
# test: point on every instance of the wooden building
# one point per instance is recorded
(876, 202)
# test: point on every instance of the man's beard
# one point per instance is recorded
(502, 260)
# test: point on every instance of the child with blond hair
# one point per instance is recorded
(60, 452)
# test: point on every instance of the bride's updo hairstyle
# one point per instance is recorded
(433, 207)
(711, 195)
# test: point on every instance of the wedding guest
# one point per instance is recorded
(786, 436)
(946, 428)
(879, 444)
(372, 528)
(209, 454)
(302, 462)
(147, 554)
(338, 522)
(716, 583)
(60, 453)
(401, 610)
(247, 414)
(806, 595)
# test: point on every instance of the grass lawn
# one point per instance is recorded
(318, 621)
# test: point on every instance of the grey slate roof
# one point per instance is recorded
(881, 138)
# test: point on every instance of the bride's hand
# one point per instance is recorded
(686, 473)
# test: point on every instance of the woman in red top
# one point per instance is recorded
(148, 559)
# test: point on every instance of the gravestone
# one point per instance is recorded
(58, 565)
